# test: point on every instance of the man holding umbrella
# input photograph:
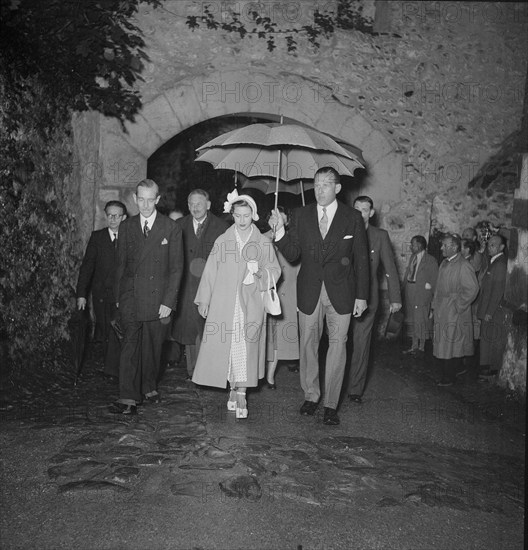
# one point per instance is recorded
(330, 240)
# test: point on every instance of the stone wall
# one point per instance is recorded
(429, 101)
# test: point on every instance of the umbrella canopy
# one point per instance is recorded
(278, 136)
(295, 163)
(268, 185)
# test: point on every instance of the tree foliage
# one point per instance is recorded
(56, 57)
(85, 54)
(347, 16)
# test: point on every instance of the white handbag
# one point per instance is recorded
(270, 298)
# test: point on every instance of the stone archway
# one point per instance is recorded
(111, 161)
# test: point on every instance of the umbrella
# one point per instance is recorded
(79, 323)
(268, 185)
(274, 135)
(283, 151)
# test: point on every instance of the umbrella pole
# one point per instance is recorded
(277, 180)
(302, 193)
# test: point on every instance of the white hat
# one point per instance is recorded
(235, 197)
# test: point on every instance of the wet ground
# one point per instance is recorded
(413, 467)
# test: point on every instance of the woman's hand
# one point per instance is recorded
(203, 310)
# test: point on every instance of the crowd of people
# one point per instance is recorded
(196, 284)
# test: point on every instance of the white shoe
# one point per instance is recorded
(231, 403)
(241, 405)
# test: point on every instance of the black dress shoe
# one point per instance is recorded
(293, 367)
(271, 386)
(308, 408)
(122, 408)
(355, 398)
(156, 398)
(330, 417)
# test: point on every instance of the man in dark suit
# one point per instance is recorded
(493, 334)
(333, 282)
(380, 250)
(200, 230)
(149, 269)
(97, 273)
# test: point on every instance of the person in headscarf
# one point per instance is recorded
(239, 269)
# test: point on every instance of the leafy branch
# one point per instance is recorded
(348, 16)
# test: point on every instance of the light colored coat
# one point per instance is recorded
(456, 289)
(222, 277)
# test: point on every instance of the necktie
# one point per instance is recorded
(114, 240)
(412, 272)
(323, 223)
(146, 229)
(199, 230)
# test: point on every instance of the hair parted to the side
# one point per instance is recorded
(149, 184)
(420, 239)
(117, 204)
(329, 170)
(364, 198)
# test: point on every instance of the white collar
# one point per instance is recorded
(150, 220)
(495, 257)
(331, 209)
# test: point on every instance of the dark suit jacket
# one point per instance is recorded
(340, 261)
(149, 269)
(188, 323)
(492, 287)
(380, 250)
(98, 268)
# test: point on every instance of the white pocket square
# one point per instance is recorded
(164, 241)
(348, 236)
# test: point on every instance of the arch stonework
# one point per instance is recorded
(120, 160)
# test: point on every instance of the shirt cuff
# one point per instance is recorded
(280, 233)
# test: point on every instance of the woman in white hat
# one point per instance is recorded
(239, 268)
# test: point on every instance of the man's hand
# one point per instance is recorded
(276, 221)
(359, 307)
(203, 310)
(164, 311)
(395, 307)
(81, 303)
(487, 317)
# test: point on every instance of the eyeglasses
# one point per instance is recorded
(114, 216)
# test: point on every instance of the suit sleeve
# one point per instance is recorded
(391, 272)
(121, 259)
(289, 245)
(87, 268)
(170, 296)
(432, 272)
(497, 288)
(360, 259)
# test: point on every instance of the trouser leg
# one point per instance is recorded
(310, 329)
(361, 336)
(130, 364)
(336, 357)
(153, 335)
